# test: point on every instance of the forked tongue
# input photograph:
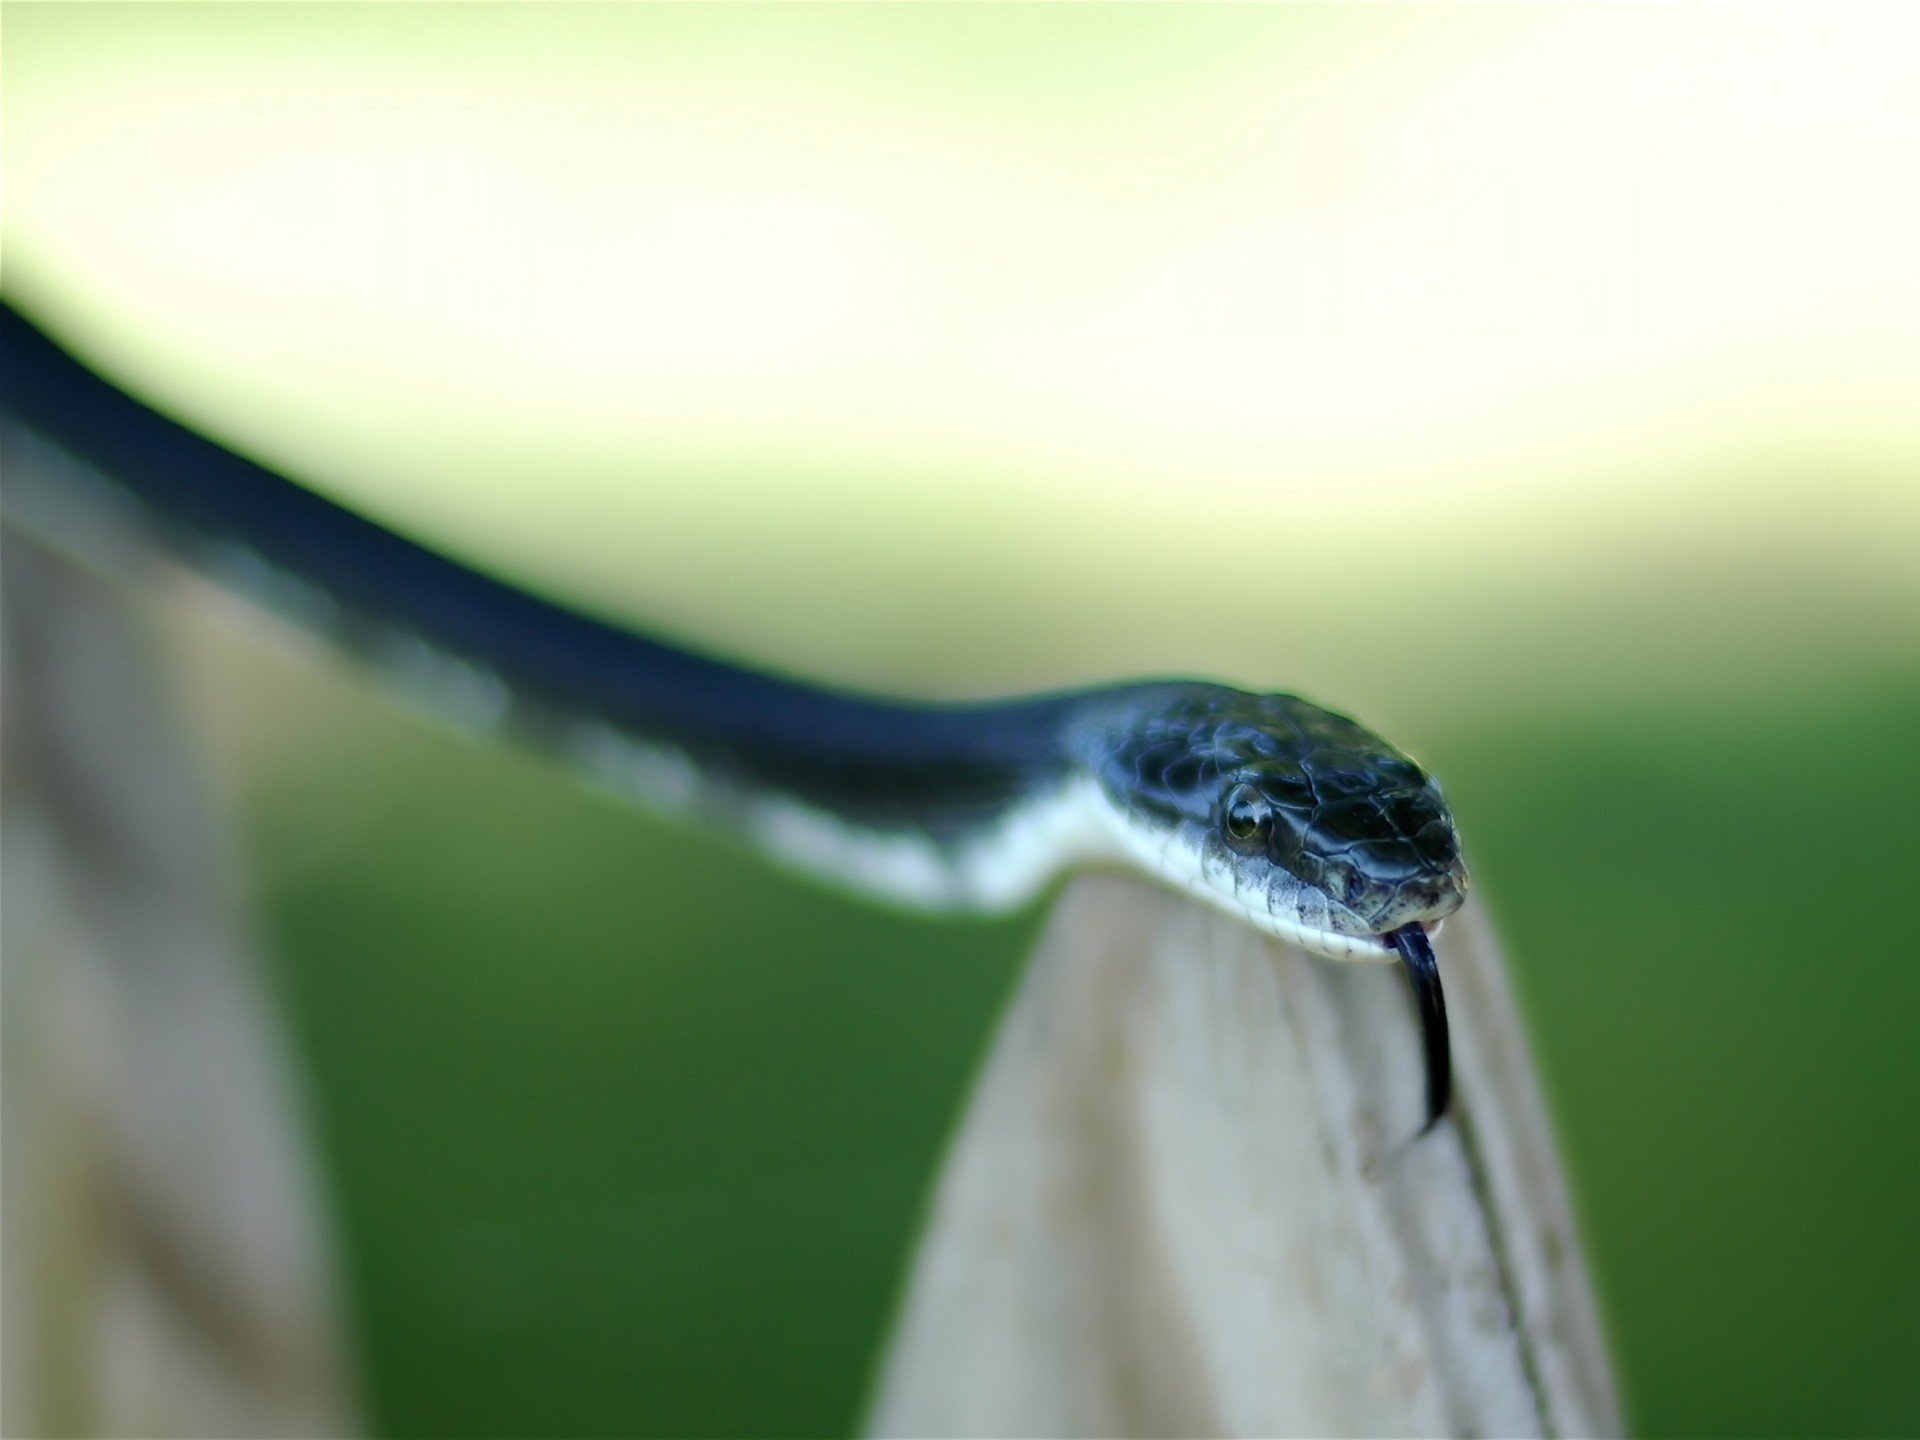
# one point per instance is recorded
(1416, 958)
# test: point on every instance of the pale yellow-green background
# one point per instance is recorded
(1538, 383)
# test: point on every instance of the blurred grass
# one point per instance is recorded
(631, 1132)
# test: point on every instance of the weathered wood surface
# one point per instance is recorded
(166, 1264)
(1184, 1201)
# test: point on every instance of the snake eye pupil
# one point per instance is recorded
(1246, 818)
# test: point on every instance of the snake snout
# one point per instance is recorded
(1418, 895)
(1434, 897)
(1431, 897)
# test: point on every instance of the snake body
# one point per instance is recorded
(1292, 817)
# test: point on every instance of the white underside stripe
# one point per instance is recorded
(993, 870)
(996, 869)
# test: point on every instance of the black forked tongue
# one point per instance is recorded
(1416, 958)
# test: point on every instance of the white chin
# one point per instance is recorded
(1327, 944)
(1182, 867)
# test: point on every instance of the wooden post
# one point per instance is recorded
(1185, 1200)
(167, 1269)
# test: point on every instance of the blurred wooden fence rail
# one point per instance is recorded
(165, 1269)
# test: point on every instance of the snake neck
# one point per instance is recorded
(928, 805)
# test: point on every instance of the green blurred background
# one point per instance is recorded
(1536, 384)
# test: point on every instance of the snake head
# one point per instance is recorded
(1310, 825)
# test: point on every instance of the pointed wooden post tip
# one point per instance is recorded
(1185, 1200)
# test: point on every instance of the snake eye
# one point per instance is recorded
(1247, 819)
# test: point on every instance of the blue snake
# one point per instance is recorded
(1293, 818)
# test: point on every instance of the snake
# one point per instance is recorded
(1293, 818)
